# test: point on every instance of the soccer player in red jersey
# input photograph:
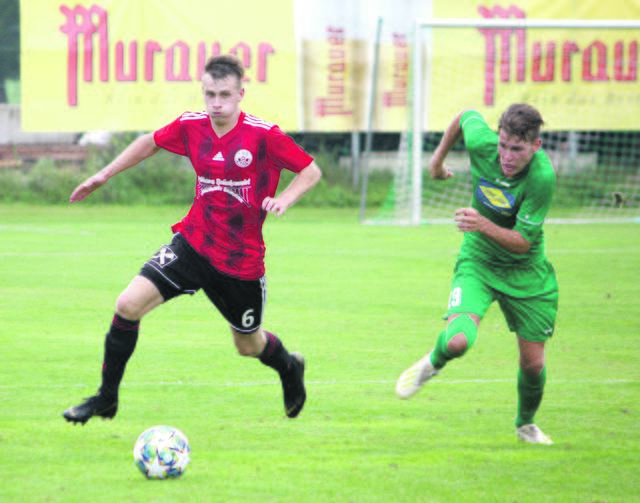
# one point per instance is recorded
(218, 246)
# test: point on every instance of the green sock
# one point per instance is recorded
(530, 389)
(439, 355)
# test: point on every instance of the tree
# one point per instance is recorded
(9, 43)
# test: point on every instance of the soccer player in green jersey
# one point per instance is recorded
(502, 255)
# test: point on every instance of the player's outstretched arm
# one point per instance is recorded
(142, 147)
(301, 184)
(451, 136)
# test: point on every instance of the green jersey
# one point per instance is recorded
(520, 203)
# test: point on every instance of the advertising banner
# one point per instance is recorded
(121, 65)
(581, 79)
(337, 43)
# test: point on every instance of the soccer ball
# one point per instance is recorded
(162, 452)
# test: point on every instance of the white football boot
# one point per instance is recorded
(532, 434)
(412, 379)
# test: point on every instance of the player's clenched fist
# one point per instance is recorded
(273, 205)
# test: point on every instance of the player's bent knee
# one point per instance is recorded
(250, 345)
(127, 308)
(246, 350)
(532, 368)
(461, 335)
(458, 345)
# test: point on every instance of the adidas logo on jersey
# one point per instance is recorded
(218, 157)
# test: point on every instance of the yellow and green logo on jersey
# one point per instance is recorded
(496, 198)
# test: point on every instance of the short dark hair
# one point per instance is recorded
(220, 67)
(521, 120)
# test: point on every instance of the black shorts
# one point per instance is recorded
(177, 269)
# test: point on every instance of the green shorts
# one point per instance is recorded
(528, 297)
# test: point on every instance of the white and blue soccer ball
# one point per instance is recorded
(162, 452)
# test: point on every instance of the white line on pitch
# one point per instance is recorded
(50, 254)
(319, 383)
(44, 230)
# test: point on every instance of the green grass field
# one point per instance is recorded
(362, 303)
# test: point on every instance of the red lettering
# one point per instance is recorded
(399, 39)
(202, 56)
(263, 51)
(397, 96)
(394, 99)
(169, 70)
(90, 22)
(489, 66)
(568, 49)
(337, 69)
(618, 62)
(490, 35)
(595, 56)
(243, 51)
(132, 74)
(536, 73)
(601, 62)
(150, 48)
(87, 29)
(330, 106)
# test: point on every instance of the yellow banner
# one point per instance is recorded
(337, 40)
(582, 79)
(136, 65)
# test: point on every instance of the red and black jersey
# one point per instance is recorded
(234, 174)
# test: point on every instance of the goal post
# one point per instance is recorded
(582, 75)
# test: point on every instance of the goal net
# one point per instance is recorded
(581, 75)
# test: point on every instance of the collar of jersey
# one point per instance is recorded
(229, 133)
